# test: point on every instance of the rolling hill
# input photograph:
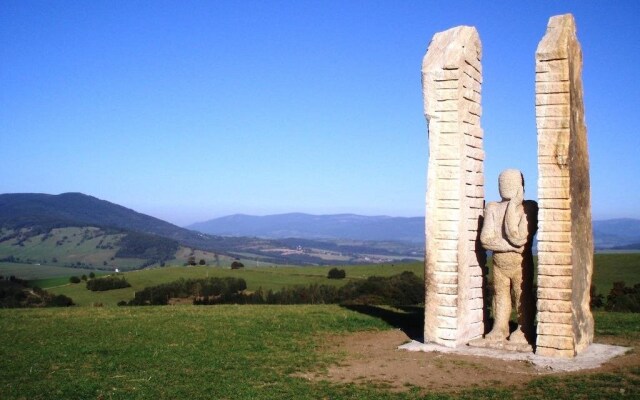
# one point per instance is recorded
(306, 226)
(608, 234)
(85, 232)
(30, 222)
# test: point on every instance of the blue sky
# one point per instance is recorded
(189, 110)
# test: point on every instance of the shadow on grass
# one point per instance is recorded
(409, 319)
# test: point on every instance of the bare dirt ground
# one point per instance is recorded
(372, 358)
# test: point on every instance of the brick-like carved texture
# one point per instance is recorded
(455, 261)
(565, 237)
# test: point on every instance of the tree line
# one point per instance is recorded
(402, 289)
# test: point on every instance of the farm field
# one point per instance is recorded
(241, 352)
(31, 271)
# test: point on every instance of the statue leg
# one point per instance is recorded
(525, 302)
(502, 304)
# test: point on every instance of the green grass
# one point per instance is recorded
(608, 269)
(32, 272)
(239, 352)
(223, 352)
(624, 327)
(612, 267)
(267, 278)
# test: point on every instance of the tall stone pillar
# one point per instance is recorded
(455, 261)
(565, 238)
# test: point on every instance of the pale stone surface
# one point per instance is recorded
(454, 265)
(565, 250)
(593, 357)
(508, 230)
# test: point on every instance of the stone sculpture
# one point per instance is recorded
(565, 248)
(455, 261)
(508, 230)
(455, 312)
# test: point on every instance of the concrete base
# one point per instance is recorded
(593, 357)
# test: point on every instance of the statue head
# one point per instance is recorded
(509, 182)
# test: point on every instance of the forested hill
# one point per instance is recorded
(44, 211)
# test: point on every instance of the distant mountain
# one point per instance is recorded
(617, 233)
(298, 225)
(608, 234)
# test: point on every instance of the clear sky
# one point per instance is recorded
(189, 110)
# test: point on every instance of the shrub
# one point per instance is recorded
(74, 279)
(402, 289)
(107, 283)
(16, 293)
(202, 262)
(623, 299)
(60, 301)
(204, 291)
(237, 265)
(335, 273)
(597, 300)
(92, 274)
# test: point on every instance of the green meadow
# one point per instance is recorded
(231, 352)
(248, 351)
(273, 278)
(614, 267)
(608, 268)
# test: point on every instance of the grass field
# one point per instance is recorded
(608, 268)
(227, 352)
(266, 277)
(31, 271)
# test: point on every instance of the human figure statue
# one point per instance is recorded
(508, 230)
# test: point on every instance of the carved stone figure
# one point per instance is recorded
(508, 230)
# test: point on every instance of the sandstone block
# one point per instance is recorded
(553, 305)
(546, 258)
(554, 270)
(447, 289)
(554, 247)
(552, 99)
(446, 336)
(451, 76)
(554, 318)
(553, 329)
(554, 204)
(558, 66)
(447, 311)
(556, 342)
(563, 170)
(554, 294)
(556, 353)
(555, 282)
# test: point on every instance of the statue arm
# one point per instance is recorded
(516, 221)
